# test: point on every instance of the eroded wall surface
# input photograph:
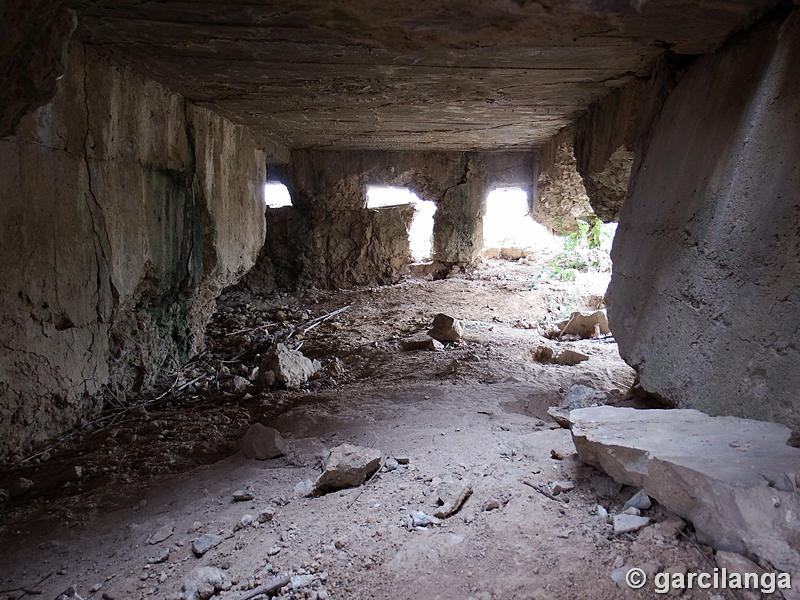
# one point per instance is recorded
(704, 294)
(125, 210)
(329, 239)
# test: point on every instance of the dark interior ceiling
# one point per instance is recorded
(433, 74)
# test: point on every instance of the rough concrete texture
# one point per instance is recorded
(425, 75)
(130, 209)
(703, 297)
(329, 239)
(560, 197)
(34, 35)
(332, 248)
(735, 479)
(614, 129)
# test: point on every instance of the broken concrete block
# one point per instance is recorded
(262, 442)
(626, 522)
(347, 466)
(446, 328)
(734, 479)
(290, 367)
(583, 325)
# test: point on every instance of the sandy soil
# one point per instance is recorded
(476, 413)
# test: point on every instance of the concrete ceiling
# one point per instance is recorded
(433, 74)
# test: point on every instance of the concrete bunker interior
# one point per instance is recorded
(210, 388)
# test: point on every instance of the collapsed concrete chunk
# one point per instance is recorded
(290, 368)
(735, 479)
(347, 466)
(261, 442)
(446, 328)
(585, 326)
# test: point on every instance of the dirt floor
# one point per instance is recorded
(85, 511)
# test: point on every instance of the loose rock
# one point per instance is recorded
(266, 515)
(204, 543)
(289, 367)
(204, 582)
(242, 496)
(347, 466)
(162, 533)
(624, 523)
(262, 442)
(639, 500)
(446, 328)
(420, 519)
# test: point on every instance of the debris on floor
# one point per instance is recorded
(287, 368)
(734, 479)
(262, 442)
(446, 328)
(347, 466)
(585, 326)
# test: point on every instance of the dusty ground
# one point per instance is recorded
(475, 413)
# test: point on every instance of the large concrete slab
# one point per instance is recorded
(411, 75)
(735, 479)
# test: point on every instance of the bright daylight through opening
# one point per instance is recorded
(276, 195)
(507, 223)
(420, 235)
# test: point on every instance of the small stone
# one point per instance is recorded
(434, 345)
(204, 543)
(632, 510)
(239, 384)
(204, 582)
(639, 500)
(273, 551)
(95, 588)
(304, 488)
(301, 581)
(420, 519)
(262, 442)
(242, 496)
(624, 523)
(266, 515)
(391, 464)
(492, 505)
(194, 527)
(446, 329)
(162, 533)
(601, 511)
(556, 487)
(162, 556)
(243, 522)
(403, 460)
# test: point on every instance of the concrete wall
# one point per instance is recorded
(704, 295)
(124, 211)
(329, 239)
